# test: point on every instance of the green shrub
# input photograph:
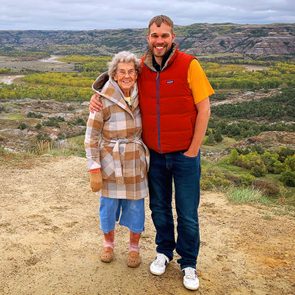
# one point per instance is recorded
(241, 179)
(269, 159)
(253, 162)
(38, 126)
(217, 135)
(261, 164)
(34, 115)
(290, 162)
(22, 126)
(252, 148)
(80, 122)
(288, 178)
(284, 152)
(53, 122)
(278, 167)
(62, 136)
(219, 96)
(233, 156)
(210, 139)
(213, 179)
(259, 169)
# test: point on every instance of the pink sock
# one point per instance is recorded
(108, 244)
(133, 247)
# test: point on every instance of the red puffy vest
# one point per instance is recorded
(167, 105)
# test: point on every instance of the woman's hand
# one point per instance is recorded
(96, 181)
(95, 104)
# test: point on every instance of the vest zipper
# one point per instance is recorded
(158, 110)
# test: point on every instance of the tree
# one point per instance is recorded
(233, 156)
(210, 139)
(217, 135)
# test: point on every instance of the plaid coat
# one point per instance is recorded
(113, 143)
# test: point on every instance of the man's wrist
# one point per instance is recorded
(192, 152)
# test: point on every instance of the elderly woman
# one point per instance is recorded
(117, 157)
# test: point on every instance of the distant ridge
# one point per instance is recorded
(197, 39)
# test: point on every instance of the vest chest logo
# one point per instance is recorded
(169, 81)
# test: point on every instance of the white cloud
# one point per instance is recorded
(95, 14)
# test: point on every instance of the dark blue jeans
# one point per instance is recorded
(185, 171)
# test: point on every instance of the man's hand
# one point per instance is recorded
(190, 154)
(96, 181)
(95, 104)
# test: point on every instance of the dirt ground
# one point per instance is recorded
(50, 241)
(43, 65)
(8, 79)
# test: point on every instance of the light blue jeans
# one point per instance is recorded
(129, 213)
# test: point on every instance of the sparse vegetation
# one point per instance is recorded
(271, 172)
(4, 71)
(53, 122)
(246, 195)
(268, 171)
(261, 109)
(34, 115)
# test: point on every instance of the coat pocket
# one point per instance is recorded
(107, 163)
(134, 163)
(130, 163)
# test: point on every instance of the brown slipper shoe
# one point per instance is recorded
(107, 254)
(133, 259)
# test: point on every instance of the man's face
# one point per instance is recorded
(160, 39)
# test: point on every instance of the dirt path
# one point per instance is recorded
(9, 78)
(50, 242)
(52, 59)
(246, 96)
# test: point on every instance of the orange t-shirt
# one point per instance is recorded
(198, 82)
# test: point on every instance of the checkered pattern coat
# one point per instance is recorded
(113, 143)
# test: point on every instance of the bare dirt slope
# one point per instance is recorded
(50, 242)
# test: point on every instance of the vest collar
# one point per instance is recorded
(168, 58)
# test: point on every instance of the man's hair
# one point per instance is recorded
(159, 19)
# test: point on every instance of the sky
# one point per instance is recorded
(118, 14)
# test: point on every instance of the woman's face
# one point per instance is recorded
(126, 76)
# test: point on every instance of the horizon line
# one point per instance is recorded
(138, 28)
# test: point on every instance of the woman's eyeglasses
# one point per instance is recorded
(125, 73)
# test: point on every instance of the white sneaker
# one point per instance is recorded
(158, 266)
(190, 279)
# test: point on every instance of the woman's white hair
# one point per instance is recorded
(122, 56)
